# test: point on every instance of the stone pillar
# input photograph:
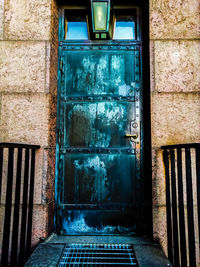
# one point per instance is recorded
(175, 88)
(28, 87)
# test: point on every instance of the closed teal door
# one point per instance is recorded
(99, 137)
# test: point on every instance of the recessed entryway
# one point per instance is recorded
(100, 123)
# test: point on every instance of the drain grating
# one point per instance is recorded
(97, 255)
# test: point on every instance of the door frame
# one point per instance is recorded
(146, 169)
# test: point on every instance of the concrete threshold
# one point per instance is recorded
(48, 253)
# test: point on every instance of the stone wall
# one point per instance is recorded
(28, 86)
(175, 88)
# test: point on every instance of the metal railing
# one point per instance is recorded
(182, 173)
(17, 168)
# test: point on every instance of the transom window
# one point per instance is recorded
(123, 25)
(124, 28)
(76, 28)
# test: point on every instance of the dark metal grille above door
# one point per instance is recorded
(98, 255)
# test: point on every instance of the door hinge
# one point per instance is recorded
(59, 137)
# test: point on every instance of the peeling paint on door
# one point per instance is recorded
(98, 174)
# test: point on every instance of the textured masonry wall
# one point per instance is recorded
(28, 82)
(175, 88)
(28, 88)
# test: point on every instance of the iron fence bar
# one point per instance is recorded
(183, 250)
(7, 218)
(190, 217)
(10, 250)
(191, 145)
(30, 209)
(168, 204)
(17, 145)
(1, 169)
(14, 246)
(174, 209)
(198, 186)
(24, 208)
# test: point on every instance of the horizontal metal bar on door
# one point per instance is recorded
(102, 249)
(97, 150)
(94, 98)
(99, 263)
(101, 253)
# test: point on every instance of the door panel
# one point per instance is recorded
(100, 73)
(98, 124)
(98, 166)
(99, 178)
(98, 221)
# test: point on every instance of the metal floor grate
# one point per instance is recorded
(97, 255)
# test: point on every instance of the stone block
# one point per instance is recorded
(24, 119)
(49, 176)
(152, 65)
(39, 175)
(177, 65)
(22, 66)
(171, 19)
(27, 20)
(39, 228)
(45, 255)
(54, 21)
(50, 217)
(175, 118)
(158, 178)
(160, 226)
(1, 18)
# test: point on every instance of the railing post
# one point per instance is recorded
(193, 228)
(190, 211)
(30, 209)
(24, 209)
(174, 210)
(168, 206)
(6, 231)
(1, 169)
(198, 187)
(17, 237)
(181, 209)
(14, 247)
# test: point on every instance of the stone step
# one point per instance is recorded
(48, 253)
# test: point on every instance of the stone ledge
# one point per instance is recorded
(45, 255)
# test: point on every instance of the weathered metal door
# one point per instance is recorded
(98, 153)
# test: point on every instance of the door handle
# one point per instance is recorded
(134, 136)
